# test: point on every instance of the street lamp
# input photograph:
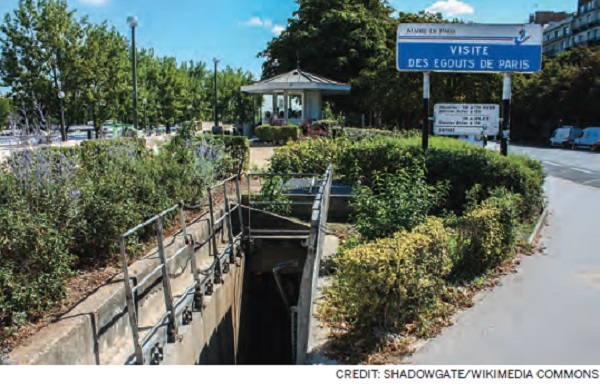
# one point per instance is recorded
(63, 131)
(132, 21)
(145, 102)
(216, 111)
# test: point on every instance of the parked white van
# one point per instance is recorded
(565, 136)
(589, 138)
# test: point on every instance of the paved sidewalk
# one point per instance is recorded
(549, 312)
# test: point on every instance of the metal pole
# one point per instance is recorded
(63, 129)
(425, 111)
(129, 299)
(134, 66)
(506, 97)
(145, 119)
(216, 95)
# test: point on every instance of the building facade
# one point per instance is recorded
(581, 28)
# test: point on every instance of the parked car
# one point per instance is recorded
(565, 136)
(589, 138)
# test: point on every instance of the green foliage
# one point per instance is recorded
(447, 160)
(394, 202)
(562, 93)
(487, 234)
(45, 44)
(5, 111)
(273, 190)
(391, 282)
(238, 148)
(283, 134)
(35, 266)
(306, 156)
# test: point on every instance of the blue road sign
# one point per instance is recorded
(469, 48)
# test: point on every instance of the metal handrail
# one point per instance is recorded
(214, 274)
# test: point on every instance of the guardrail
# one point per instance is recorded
(149, 349)
(302, 313)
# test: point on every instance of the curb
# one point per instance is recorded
(538, 227)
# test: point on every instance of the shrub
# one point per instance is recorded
(307, 156)
(39, 202)
(394, 202)
(390, 282)
(283, 134)
(487, 233)
(35, 266)
(461, 164)
(238, 148)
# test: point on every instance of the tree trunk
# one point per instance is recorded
(96, 127)
(168, 128)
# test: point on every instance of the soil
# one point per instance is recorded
(260, 156)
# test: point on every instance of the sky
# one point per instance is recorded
(235, 31)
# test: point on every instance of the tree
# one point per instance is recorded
(105, 75)
(40, 56)
(5, 111)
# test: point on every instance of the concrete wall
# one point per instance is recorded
(97, 331)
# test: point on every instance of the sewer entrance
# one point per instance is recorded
(265, 322)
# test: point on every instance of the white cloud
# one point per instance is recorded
(451, 8)
(268, 23)
(253, 22)
(96, 3)
(277, 29)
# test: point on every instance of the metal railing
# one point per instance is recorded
(302, 313)
(149, 348)
(254, 203)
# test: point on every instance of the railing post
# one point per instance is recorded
(197, 302)
(218, 267)
(173, 329)
(229, 226)
(133, 322)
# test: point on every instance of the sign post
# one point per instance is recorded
(425, 128)
(506, 97)
(469, 48)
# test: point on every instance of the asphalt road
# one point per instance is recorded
(547, 313)
(578, 166)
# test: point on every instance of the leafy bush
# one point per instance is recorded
(238, 149)
(307, 156)
(487, 233)
(461, 164)
(394, 202)
(39, 202)
(273, 190)
(283, 134)
(390, 282)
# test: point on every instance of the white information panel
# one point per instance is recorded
(466, 119)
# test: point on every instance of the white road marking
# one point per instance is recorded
(551, 163)
(591, 181)
(582, 170)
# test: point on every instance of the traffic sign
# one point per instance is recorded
(466, 119)
(469, 48)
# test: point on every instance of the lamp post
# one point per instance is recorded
(132, 21)
(145, 102)
(216, 94)
(102, 104)
(63, 131)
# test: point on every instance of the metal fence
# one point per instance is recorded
(149, 348)
(302, 313)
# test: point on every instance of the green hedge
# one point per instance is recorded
(390, 282)
(283, 134)
(460, 164)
